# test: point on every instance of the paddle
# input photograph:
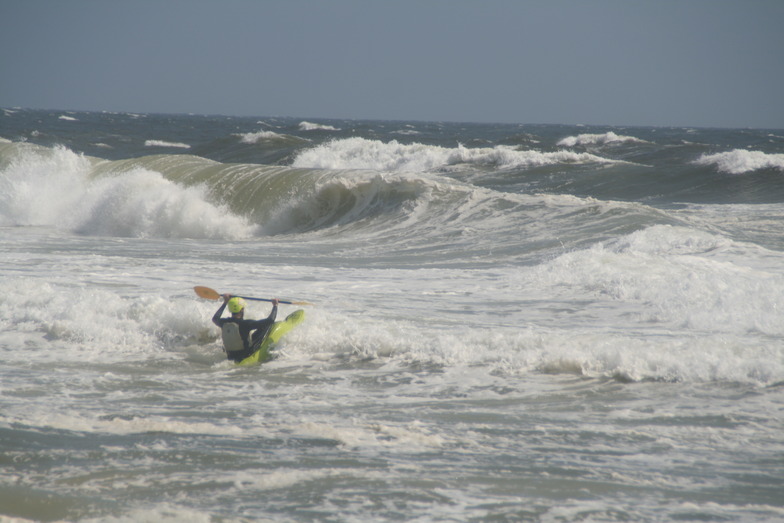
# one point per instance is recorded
(211, 294)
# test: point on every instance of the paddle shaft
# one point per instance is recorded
(263, 299)
(210, 294)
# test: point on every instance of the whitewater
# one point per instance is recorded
(510, 322)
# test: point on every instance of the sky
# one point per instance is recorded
(702, 63)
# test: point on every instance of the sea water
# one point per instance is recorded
(510, 322)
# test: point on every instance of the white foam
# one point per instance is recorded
(39, 315)
(597, 139)
(142, 203)
(120, 425)
(67, 118)
(42, 186)
(682, 277)
(162, 143)
(258, 137)
(55, 187)
(740, 161)
(361, 153)
(309, 126)
(664, 303)
(654, 344)
(158, 512)
(413, 437)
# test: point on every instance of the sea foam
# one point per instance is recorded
(58, 188)
(258, 137)
(740, 161)
(310, 126)
(162, 143)
(678, 277)
(597, 139)
(393, 156)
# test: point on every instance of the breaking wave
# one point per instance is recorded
(185, 196)
(59, 188)
(310, 126)
(393, 156)
(740, 161)
(597, 139)
(162, 143)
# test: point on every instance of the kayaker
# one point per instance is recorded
(241, 337)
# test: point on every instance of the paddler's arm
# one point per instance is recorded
(266, 323)
(269, 320)
(274, 313)
(217, 317)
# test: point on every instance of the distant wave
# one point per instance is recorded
(406, 132)
(259, 136)
(68, 118)
(597, 139)
(161, 143)
(308, 126)
(361, 153)
(271, 138)
(740, 161)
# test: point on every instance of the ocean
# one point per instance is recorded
(509, 322)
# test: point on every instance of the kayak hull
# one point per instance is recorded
(276, 332)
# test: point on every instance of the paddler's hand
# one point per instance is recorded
(275, 301)
(226, 297)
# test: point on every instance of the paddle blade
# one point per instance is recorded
(206, 293)
(296, 302)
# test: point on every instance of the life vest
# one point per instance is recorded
(232, 340)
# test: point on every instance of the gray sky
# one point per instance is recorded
(619, 62)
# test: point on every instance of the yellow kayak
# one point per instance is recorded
(276, 332)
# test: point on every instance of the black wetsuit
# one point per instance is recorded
(252, 342)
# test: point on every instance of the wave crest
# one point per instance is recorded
(259, 136)
(597, 139)
(59, 188)
(393, 156)
(163, 143)
(310, 126)
(740, 161)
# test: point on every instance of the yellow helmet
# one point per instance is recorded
(236, 305)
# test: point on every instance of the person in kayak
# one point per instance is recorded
(241, 337)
